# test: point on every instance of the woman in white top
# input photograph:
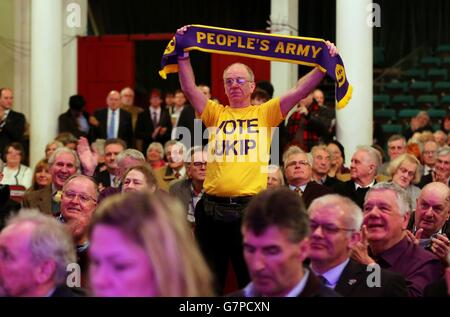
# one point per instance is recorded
(15, 173)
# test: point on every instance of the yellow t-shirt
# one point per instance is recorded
(239, 147)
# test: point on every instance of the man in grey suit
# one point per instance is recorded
(190, 189)
(335, 222)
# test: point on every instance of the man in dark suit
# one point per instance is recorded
(297, 169)
(12, 123)
(190, 189)
(321, 164)
(39, 251)
(109, 177)
(430, 222)
(335, 222)
(153, 124)
(275, 232)
(363, 170)
(113, 122)
(441, 171)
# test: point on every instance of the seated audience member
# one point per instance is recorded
(337, 167)
(419, 123)
(41, 175)
(175, 168)
(110, 176)
(7, 205)
(321, 166)
(396, 146)
(190, 190)
(139, 178)
(275, 176)
(35, 251)
(68, 140)
(125, 160)
(63, 163)
(98, 151)
(365, 162)
(440, 137)
(430, 221)
(78, 204)
(275, 228)
(142, 246)
(297, 169)
(335, 223)
(14, 172)
(405, 172)
(259, 96)
(385, 242)
(155, 155)
(429, 156)
(441, 171)
(51, 147)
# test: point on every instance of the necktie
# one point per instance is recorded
(299, 191)
(112, 125)
(155, 119)
(322, 279)
(177, 175)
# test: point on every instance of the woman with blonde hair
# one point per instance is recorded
(141, 245)
(41, 175)
(405, 171)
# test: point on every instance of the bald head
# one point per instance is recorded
(113, 100)
(433, 206)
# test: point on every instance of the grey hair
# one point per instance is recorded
(89, 178)
(62, 150)
(443, 151)
(158, 147)
(276, 169)
(99, 145)
(174, 142)
(133, 153)
(291, 151)
(353, 215)
(403, 199)
(190, 153)
(374, 155)
(50, 239)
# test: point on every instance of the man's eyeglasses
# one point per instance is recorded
(198, 164)
(327, 228)
(84, 198)
(239, 80)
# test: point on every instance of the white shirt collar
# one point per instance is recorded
(302, 187)
(249, 290)
(332, 276)
(368, 186)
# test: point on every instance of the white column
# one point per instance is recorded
(46, 74)
(75, 24)
(22, 57)
(284, 19)
(354, 41)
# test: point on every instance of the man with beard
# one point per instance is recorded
(63, 163)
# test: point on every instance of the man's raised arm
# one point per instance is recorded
(187, 80)
(304, 86)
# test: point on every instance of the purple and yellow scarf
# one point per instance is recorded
(299, 50)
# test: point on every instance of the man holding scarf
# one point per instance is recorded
(239, 144)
